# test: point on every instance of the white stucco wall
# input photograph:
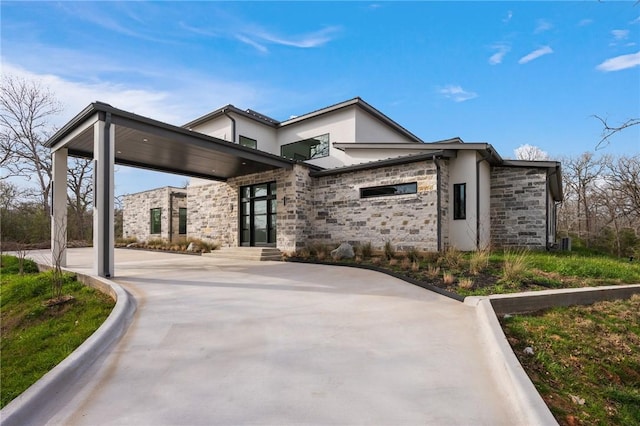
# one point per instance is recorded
(462, 232)
(219, 127)
(265, 136)
(339, 124)
(369, 129)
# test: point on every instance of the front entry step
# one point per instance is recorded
(247, 253)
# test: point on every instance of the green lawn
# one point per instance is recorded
(36, 337)
(586, 361)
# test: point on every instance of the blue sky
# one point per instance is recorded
(506, 73)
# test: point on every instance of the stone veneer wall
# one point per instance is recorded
(518, 207)
(137, 213)
(213, 208)
(340, 215)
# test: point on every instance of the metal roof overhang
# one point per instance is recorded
(150, 144)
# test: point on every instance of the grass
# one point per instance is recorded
(588, 354)
(37, 337)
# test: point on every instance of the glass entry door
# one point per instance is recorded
(258, 215)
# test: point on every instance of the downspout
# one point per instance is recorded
(233, 124)
(555, 215)
(170, 216)
(436, 161)
(105, 197)
(485, 157)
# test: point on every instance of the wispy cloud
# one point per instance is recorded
(620, 34)
(635, 21)
(545, 50)
(315, 39)
(542, 26)
(585, 22)
(502, 50)
(507, 18)
(457, 93)
(620, 62)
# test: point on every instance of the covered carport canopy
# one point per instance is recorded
(112, 136)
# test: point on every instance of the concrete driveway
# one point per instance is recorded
(221, 342)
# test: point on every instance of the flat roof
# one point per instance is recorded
(151, 144)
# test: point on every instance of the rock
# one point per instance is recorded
(191, 247)
(576, 399)
(528, 350)
(344, 251)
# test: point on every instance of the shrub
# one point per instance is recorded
(413, 254)
(478, 261)
(406, 264)
(389, 250)
(466, 283)
(393, 262)
(453, 259)
(433, 271)
(415, 266)
(365, 250)
(514, 267)
(448, 278)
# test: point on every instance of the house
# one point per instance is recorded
(350, 173)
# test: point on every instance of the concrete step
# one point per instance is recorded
(247, 253)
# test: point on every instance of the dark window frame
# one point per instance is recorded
(152, 228)
(324, 152)
(182, 221)
(459, 201)
(244, 139)
(409, 188)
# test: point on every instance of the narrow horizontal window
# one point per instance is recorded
(460, 201)
(307, 149)
(386, 190)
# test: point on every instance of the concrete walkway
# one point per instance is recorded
(273, 343)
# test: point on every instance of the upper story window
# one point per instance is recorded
(248, 142)
(307, 149)
(386, 190)
(460, 201)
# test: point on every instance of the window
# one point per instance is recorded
(182, 221)
(383, 191)
(460, 201)
(248, 142)
(307, 149)
(156, 221)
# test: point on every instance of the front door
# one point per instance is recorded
(258, 215)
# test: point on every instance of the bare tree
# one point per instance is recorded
(530, 153)
(608, 130)
(80, 196)
(25, 108)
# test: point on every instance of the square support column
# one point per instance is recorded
(103, 189)
(59, 208)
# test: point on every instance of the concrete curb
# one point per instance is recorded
(527, 402)
(39, 396)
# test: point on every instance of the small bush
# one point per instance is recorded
(479, 261)
(11, 265)
(514, 267)
(448, 278)
(415, 266)
(453, 259)
(389, 250)
(393, 262)
(405, 264)
(433, 271)
(466, 283)
(413, 254)
(366, 251)
(376, 261)
(126, 241)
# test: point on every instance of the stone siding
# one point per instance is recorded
(213, 208)
(518, 207)
(137, 213)
(340, 215)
